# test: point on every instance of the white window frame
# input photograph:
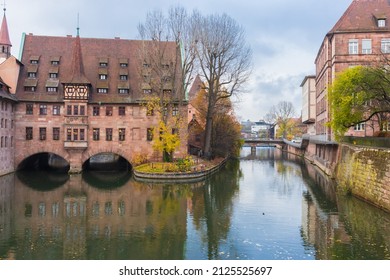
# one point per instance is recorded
(385, 45)
(366, 46)
(353, 46)
(360, 127)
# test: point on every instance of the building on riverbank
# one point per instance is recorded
(9, 67)
(360, 37)
(79, 97)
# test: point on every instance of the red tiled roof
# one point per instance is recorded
(363, 15)
(79, 60)
(4, 35)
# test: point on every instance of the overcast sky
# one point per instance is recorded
(285, 35)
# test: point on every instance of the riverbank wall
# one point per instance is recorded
(365, 172)
(361, 171)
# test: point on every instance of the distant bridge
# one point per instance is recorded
(258, 142)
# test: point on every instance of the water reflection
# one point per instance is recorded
(267, 205)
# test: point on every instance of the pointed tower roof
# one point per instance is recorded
(77, 76)
(4, 35)
(362, 15)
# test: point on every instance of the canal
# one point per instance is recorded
(267, 205)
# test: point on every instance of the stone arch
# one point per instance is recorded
(99, 150)
(90, 153)
(38, 150)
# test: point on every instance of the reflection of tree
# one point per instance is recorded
(212, 206)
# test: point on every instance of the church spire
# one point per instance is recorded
(5, 42)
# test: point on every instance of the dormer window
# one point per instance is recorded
(123, 62)
(34, 59)
(103, 62)
(381, 22)
(55, 60)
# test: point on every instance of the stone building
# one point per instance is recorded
(360, 37)
(8, 77)
(80, 97)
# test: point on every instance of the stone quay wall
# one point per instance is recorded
(365, 172)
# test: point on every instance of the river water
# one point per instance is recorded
(267, 205)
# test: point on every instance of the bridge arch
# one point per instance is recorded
(43, 160)
(105, 154)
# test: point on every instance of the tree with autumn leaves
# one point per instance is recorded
(226, 129)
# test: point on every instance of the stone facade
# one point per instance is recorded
(365, 173)
(7, 147)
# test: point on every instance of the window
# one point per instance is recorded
(51, 89)
(123, 77)
(96, 134)
(75, 110)
(102, 90)
(82, 134)
(56, 133)
(96, 110)
(53, 75)
(123, 90)
(147, 91)
(122, 110)
(69, 134)
(55, 62)
(29, 109)
(359, 127)
(123, 65)
(43, 109)
(149, 134)
(385, 45)
(353, 46)
(175, 111)
(75, 134)
(42, 133)
(34, 61)
(103, 64)
(103, 76)
(29, 133)
(69, 110)
(82, 110)
(56, 110)
(31, 75)
(382, 22)
(366, 46)
(109, 111)
(108, 134)
(122, 134)
(30, 88)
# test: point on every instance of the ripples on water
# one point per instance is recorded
(267, 205)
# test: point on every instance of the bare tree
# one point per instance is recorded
(281, 115)
(224, 60)
(167, 56)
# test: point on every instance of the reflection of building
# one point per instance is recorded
(320, 227)
(7, 183)
(77, 221)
